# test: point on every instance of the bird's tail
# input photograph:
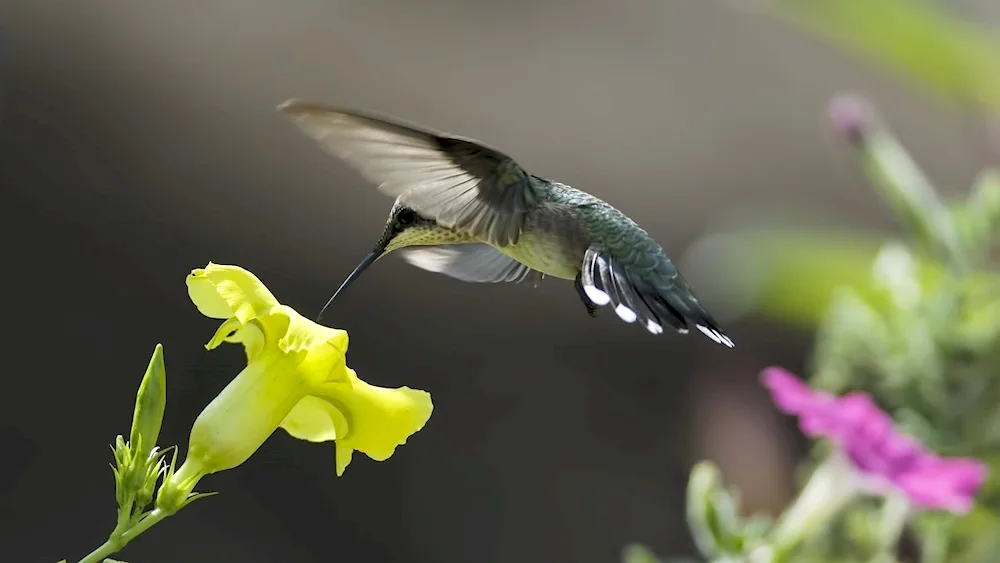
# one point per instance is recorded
(688, 310)
(607, 282)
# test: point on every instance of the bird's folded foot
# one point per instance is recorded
(591, 308)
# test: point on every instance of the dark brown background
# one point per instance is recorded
(139, 140)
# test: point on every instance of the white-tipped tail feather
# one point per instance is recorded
(596, 296)
(605, 281)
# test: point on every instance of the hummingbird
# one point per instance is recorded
(472, 213)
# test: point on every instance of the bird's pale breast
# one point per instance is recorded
(547, 253)
(551, 243)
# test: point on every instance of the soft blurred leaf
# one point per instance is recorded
(636, 553)
(975, 536)
(957, 59)
(861, 526)
(712, 512)
(784, 273)
(979, 216)
(790, 274)
(755, 528)
(851, 334)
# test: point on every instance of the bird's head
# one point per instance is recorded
(404, 227)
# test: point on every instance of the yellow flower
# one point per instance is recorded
(296, 378)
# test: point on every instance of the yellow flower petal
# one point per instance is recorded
(225, 333)
(359, 416)
(299, 334)
(380, 419)
(344, 455)
(315, 420)
(222, 292)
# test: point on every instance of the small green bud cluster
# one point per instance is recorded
(140, 466)
(136, 476)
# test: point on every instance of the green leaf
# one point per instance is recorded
(978, 217)
(852, 334)
(755, 528)
(931, 45)
(894, 271)
(712, 513)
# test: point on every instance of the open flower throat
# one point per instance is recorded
(296, 378)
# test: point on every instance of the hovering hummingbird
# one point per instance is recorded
(472, 213)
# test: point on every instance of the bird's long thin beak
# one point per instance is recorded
(368, 261)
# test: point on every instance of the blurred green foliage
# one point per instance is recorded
(713, 515)
(957, 59)
(791, 274)
(914, 321)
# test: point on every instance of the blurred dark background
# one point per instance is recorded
(139, 140)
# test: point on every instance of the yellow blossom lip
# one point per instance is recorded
(296, 378)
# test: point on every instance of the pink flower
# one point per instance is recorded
(882, 456)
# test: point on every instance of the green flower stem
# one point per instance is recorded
(121, 537)
(894, 514)
(903, 184)
(106, 549)
(124, 516)
(146, 523)
(829, 489)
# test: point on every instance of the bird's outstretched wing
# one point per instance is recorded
(606, 281)
(471, 262)
(458, 182)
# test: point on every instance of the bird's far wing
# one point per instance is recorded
(458, 182)
(471, 262)
(606, 281)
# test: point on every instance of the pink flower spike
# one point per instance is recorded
(881, 455)
(789, 393)
(947, 483)
(793, 396)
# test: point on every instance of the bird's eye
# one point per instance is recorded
(406, 216)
